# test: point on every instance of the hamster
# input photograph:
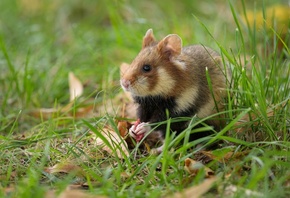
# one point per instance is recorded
(166, 77)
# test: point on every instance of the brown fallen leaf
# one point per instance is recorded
(125, 175)
(46, 113)
(67, 167)
(71, 192)
(230, 158)
(123, 128)
(196, 191)
(193, 167)
(75, 86)
(225, 157)
(83, 112)
(117, 145)
(75, 90)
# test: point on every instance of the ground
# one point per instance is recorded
(62, 108)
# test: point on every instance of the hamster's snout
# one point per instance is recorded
(125, 84)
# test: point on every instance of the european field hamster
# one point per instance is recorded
(166, 76)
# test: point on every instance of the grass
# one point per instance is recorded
(41, 42)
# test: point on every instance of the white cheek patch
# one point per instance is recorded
(140, 87)
(186, 99)
(164, 85)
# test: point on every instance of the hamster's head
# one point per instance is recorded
(152, 72)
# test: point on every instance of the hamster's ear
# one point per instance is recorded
(170, 46)
(148, 39)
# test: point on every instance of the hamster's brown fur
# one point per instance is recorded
(166, 76)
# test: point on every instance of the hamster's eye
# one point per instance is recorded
(146, 68)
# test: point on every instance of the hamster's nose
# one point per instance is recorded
(125, 84)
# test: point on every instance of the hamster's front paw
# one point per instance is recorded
(139, 131)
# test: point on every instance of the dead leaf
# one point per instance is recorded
(84, 112)
(125, 175)
(78, 194)
(67, 167)
(45, 113)
(193, 167)
(196, 191)
(71, 192)
(75, 90)
(117, 143)
(225, 156)
(123, 128)
(75, 86)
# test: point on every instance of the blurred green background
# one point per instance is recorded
(42, 41)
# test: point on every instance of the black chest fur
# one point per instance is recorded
(153, 110)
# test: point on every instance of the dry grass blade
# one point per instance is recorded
(193, 167)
